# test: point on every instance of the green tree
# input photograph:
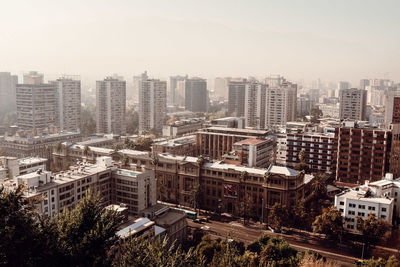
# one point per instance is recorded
(277, 252)
(154, 253)
(302, 165)
(372, 229)
(21, 242)
(88, 122)
(330, 223)
(85, 234)
(278, 216)
(132, 121)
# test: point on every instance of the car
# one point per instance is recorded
(197, 221)
(205, 228)
(204, 219)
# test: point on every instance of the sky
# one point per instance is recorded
(310, 39)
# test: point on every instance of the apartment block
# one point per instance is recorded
(254, 107)
(236, 97)
(137, 190)
(175, 97)
(36, 105)
(392, 108)
(217, 141)
(366, 153)
(111, 105)
(182, 127)
(68, 103)
(33, 77)
(319, 151)
(152, 104)
(353, 104)
(281, 103)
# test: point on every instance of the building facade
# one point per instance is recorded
(36, 106)
(366, 153)
(281, 103)
(196, 95)
(236, 97)
(254, 104)
(152, 104)
(111, 105)
(68, 103)
(8, 84)
(353, 104)
(217, 141)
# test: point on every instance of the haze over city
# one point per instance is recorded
(330, 40)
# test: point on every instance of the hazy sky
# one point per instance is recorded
(310, 39)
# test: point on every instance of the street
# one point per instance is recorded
(247, 235)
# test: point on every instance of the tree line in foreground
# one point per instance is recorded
(86, 236)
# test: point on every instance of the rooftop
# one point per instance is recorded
(170, 217)
(252, 141)
(353, 194)
(235, 130)
(127, 173)
(137, 226)
(31, 160)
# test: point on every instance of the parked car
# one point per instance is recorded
(197, 221)
(205, 228)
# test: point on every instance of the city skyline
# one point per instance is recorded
(330, 41)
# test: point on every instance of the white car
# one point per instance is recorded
(205, 228)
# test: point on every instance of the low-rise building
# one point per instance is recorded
(379, 197)
(185, 145)
(35, 146)
(11, 167)
(182, 127)
(253, 152)
(136, 189)
(229, 122)
(218, 141)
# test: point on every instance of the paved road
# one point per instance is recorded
(237, 231)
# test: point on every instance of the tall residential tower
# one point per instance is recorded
(152, 104)
(111, 105)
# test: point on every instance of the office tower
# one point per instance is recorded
(33, 77)
(68, 103)
(254, 101)
(364, 83)
(111, 105)
(8, 85)
(174, 96)
(152, 104)
(36, 105)
(392, 108)
(196, 94)
(281, 102)
(353, 104)
(236, 97)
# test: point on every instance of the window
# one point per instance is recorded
(361, 206)
(383, 216)
(361, 214)
(351, 205)
(371, 208)
(341, 203)
(383, 209)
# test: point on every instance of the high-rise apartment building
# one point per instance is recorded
(68, 103)
(353, 104)
(254, 109)
(281, 103)
(8, 85)
(364, 83)
(152, 103)
(221, 87)
(365, 153)
(196, 95)
(236, 97)
(36, 105)
(33, 77)
(111, 105)
(174, 97)
(392, 108)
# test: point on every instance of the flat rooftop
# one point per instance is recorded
(127, 172)
(252, 141)
(234, 130)
(31, 160)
